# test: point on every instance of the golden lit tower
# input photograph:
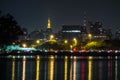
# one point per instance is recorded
(49, 25)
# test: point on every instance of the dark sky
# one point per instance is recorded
(33, 14)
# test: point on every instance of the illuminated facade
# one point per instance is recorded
(48, 31)
(117, 34)
(98, 32)
(49, 24)
(71, 31)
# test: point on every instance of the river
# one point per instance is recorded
(60, 68)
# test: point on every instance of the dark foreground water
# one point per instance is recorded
(59, 68)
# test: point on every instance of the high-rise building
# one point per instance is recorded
(71, 31)
(49, 24)
(49, 29)
(117, 34)
(98, 32)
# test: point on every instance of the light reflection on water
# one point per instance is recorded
(65, 68)
(37, 67)
(74, 68)
(116, 68)
(24, 68)
(51, 68)
(61, 68)
(90, 68)
(13, 68)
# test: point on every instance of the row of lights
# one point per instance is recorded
(65, 41)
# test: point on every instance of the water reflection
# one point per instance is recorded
(61, 68)
(66, 68)
(13, 68)
(24, 68)
(51, 68)
(82, 68)
(37, 67)
(74, 68)
(90, 68)
(116, 68)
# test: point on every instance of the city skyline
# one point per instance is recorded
(33, 14)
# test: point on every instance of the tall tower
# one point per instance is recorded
(86, 23)
(85, 20)
(49, 29)
(49, 24)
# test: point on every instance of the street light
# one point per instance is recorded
(24, 45)
(66, 41)
(51, 37)
(90, 36)
(75, 41)
(37, 41)
(71, 47)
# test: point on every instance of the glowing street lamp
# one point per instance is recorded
(37, 41)
(24, 45)
(51, 37)
(90, 36)
(75, 41)
(71, 47)
(65, 41)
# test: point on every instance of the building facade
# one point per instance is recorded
(117, 34)
(68, 32)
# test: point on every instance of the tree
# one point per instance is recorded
(51, 45)
(9, 29)
(94, 45)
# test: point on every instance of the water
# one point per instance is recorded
(60, 68)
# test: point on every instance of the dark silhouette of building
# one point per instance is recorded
(98, 32)
(71, 31)
(117, 34)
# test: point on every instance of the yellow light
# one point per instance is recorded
(37, 67)
(49, 25)
(37, 41)
(90, 36)
(51, 68)
(24, 45)
(65, 68)
(75, 41)
(65, 41)
(24, 68)
(89, 68)
(71, 46)
(51, 37)
(74, 68)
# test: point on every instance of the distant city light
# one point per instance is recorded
(24, 45)
(51, 37)
(72, 31)
(66, 41)
(37, 41)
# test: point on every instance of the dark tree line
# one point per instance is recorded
(9, 29)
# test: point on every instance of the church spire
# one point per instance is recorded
(49, 25)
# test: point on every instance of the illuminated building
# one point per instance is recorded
(98, 32)
(117, 34)
(48, 31)
(49, 25)
(42, 34)
(71, 31)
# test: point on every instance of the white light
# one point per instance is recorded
(72, 31)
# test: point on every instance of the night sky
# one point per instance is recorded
(33, 14)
